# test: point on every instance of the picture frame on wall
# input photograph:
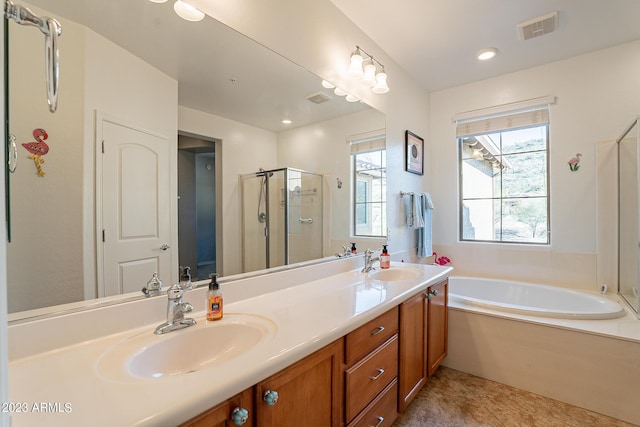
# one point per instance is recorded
(414, 149)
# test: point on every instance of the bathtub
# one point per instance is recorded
(531, 299)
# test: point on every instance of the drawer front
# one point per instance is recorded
(382, 412)
(369, 377)
(369, 336)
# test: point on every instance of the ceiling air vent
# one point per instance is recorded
(318, 97)
(538, 26)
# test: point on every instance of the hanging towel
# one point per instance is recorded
(425, 237)
(414, 212)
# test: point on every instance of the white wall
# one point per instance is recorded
(44, 248)
(597, 97)
(244, 149)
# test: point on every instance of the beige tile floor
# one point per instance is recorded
(455, 399)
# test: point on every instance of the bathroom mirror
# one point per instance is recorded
(205, 67)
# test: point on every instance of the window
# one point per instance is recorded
(369, 165)
(504, 178)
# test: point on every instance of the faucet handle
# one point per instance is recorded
(176, 291)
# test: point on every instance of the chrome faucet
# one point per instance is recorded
(176, 308)
(368, 261)
(154, 286)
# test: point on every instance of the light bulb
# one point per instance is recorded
(158, 1)
(351, 98)
(327, 85)
(187, 12)
(339, 92)
(355, 68)
(369, 77)
(381, 83)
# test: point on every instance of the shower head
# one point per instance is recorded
(263, 172)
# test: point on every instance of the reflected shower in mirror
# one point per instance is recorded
(135, 73)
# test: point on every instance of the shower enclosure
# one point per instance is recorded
(282, 218)
(628, 216)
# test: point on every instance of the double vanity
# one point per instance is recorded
(346, 348)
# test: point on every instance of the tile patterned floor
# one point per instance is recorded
(455, 399)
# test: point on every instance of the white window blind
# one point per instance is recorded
(533, 112)
(365, 142)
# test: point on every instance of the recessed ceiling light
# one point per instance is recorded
(286, 121)
(487, 53)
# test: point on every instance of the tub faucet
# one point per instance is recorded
(368, 261)
(176, 308)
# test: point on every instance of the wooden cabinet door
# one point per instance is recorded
(221, 415)
(310, 392)
(437, 325)
(412, 372)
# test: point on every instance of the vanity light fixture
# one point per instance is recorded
(187, 12)
(372, 75)
(487, 53)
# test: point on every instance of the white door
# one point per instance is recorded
(135, 208)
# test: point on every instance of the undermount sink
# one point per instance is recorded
(198, 347)
(396, 274)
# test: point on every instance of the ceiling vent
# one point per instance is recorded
(318, 97)
(538, 26)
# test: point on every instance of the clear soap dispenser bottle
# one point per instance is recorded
(214, 299)
(385, 258)
(185, 278)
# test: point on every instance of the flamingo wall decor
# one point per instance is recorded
(37, 149)
(574, 163)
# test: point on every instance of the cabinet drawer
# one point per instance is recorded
(370, 376)
(382, 412)
(370, 335)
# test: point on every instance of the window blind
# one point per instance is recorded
(508, 116)
(365, 142)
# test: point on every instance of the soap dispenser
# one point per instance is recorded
(214, 299)
(385, 258)
(353, 248)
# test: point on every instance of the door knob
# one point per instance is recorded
(164, 247)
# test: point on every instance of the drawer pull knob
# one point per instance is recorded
(375, 377)
(239, 416)
(380, 421)
(435, 292)
(377, 330)
(270, 397)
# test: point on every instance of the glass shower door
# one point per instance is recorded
(304, 216)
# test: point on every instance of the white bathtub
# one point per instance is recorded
(530, 299)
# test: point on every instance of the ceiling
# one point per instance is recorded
(219, 70)
(435, 41)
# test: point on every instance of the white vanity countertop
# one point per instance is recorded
(66, 387)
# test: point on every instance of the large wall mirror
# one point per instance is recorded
(187, 93)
